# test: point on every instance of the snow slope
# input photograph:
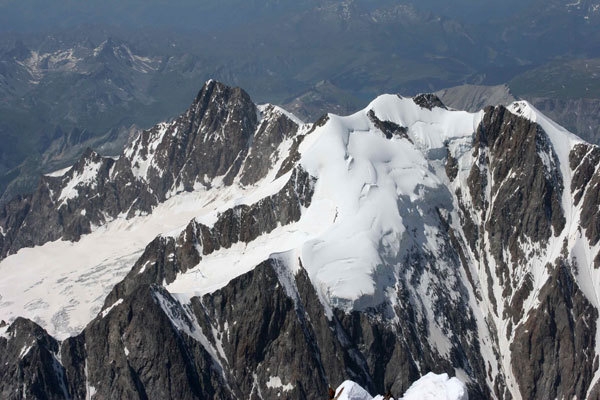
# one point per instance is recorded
(62, 285)
(428, 387)
(373, 184)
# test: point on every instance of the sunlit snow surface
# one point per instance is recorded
(364, 183)
(429, 387)
(62, 285)
(374, 184)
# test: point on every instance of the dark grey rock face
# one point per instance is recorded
(516, 188)
(67, 206)
(583, 160)
(554, 349)
(30, 364)
(428, 101)
(388, 128)
(268, 323)
(276, 342)
(211, 139)
(526, 192)
(11, 218)
(529, 202)
(451, 166)
(273, 130)
(138, 351)
(586, 184)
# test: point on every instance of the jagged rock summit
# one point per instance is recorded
(211, 139)
(271, 258)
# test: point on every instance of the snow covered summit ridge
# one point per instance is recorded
(370, 187)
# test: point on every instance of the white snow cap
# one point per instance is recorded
(352, 391)
(429, 387)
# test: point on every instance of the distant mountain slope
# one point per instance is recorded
(59, 99)
(475, 97)
(323, 98)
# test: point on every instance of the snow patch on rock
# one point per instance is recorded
(108, 309)
(275, 382)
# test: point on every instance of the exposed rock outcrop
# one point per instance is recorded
(553, 350)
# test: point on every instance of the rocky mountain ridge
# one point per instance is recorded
(171, 157)
(377, 247)
(578, 115)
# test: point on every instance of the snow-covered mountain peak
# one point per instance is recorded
(563, 142)
(381, 181)
(376, 186)
(455, 238)
(269, 110)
